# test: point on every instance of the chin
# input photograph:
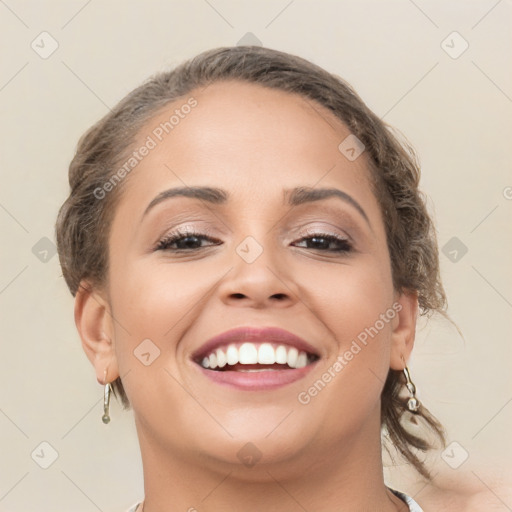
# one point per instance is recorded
(273, 443)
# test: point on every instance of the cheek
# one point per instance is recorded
(346, 390)
(355, 305)
(157, 302)
(348, 299)
(150, 308)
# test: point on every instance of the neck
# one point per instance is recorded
(332, 479)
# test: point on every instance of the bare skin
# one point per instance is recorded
(325, 455)
(475, 487)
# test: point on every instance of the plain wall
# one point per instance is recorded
(456, 112)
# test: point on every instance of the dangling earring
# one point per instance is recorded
(106, 401)
(413, 404)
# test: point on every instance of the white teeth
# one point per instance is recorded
(302, 360)
(292, 357)
(281, 355)
(251, 353)
(248, 354)
(232, 355)
(266, 354)
(221, 358)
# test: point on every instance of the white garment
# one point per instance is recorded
(413, 506)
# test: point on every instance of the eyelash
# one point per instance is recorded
(165, 243)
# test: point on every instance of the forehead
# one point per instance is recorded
(245, 135)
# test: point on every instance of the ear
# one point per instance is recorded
(95, 326)
(404, 329)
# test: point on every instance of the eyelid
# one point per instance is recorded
(330, 230)
(316, 229)
(184, 230)
(193, 225)
(305, 224)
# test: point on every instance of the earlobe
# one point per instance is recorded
(402, 337)
(94, 323)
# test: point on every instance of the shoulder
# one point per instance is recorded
(454, 501)
(466, 493)
(498, 499)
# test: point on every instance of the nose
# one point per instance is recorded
(257, 280)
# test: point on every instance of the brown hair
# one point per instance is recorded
(84, 220)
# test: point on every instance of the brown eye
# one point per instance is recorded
(327, 243)
(184, 241)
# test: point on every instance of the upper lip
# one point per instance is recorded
(254, 334)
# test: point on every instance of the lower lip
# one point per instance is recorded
(257, 381)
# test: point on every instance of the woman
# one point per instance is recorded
(249, 252)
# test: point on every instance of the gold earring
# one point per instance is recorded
(413, 404)
(106, 401)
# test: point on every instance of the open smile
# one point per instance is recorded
(255, 359)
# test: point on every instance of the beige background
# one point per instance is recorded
(455, 111)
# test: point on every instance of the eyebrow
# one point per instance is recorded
(296, 196)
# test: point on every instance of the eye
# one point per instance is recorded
(326, 241)
(191, 240)
(184, 240)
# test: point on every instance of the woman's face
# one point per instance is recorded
(258, 257)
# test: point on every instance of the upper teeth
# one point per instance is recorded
(251, 353)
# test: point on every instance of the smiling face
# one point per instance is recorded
(276, 228)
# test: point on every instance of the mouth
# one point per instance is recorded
(278, 359)
(255, 357)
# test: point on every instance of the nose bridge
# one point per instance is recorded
(256, 244)
(258, 272)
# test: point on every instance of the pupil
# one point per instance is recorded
(316, 241)
(189, 240)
